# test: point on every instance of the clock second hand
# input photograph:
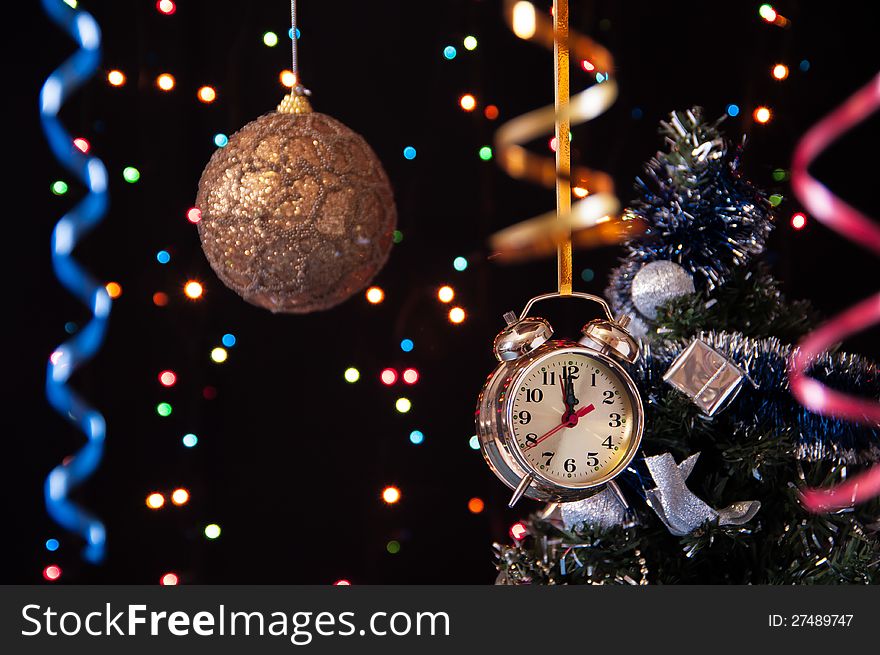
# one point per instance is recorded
(567, 422)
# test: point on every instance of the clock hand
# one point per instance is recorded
(568, 409)
(567, 422)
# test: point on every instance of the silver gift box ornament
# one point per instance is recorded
(705, 376)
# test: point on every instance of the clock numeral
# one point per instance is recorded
(549, 378)
(593, 380)
(549, 457)
(609, 397)
(570, 465)
(570, 372)
(592, 460)
(534, 395)
(531, 438)
(615, 420)
(607, 443)
(526, 417)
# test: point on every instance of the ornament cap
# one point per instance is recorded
(610, 338)
(521, 337)
(295, 102)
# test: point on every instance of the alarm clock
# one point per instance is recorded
(559, 419)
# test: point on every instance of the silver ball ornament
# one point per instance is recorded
(658, 282)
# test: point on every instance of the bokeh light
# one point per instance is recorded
(287, 78)
(163, 257)
(212, 531)
(476, 505)
(155, 500)
(804, 65)
(52, 545)
(410, 376)
(457, 315)
(403, 405)
(290, 33)
(449, 52)
(52, 572)
(342, 583)
(375, 295)
(396, 236)
(190, 440)
(406, 345)
(762, 115)
(470, 42)
(193, 289)
(416, 437)
(767, 12)
(776, 199)
(228, 340)
(82, 144)
(391, 495)
(459, 264)
(164, 409)
(518, 531)
(780, 175)
(166, 7)
(130, 174)
(799, 221)
(587, 275)
(207, 94)
(779, 72)
(221, 140)
(409, 153)
(445, 293)
(169, 580)
(180, 496)
(270, 39)
(116, 78)
(388, 376)
(59, 187)
(167, 378)
(165, 81)
(70, 327)
(160, 299)
(491, 112)
(114, 290)
(485, 153)
(219, 355)
(352, 375)
(393, 547)
(524, 19)
(474, 442)
(468, 102)
(732, 110)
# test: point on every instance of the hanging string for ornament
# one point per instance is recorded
(297, 212)
(75, 224)
(856, 226)
(590, 221)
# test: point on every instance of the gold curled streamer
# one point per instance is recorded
(597, 212)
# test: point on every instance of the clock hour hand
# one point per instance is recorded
(568, 397)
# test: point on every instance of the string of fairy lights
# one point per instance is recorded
(397, 380)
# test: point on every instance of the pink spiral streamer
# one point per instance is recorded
(851, 223)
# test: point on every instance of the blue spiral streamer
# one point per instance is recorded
(71, 354)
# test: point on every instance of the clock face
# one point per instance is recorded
(572, 419)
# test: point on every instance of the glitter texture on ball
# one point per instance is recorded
(656, 283)
(297, 212)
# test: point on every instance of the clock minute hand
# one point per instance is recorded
(567, 422)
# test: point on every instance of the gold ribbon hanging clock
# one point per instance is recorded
(297, 213)
(559, 419)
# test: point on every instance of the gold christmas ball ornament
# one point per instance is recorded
(297, 211)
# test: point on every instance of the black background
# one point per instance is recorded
(291, 459)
